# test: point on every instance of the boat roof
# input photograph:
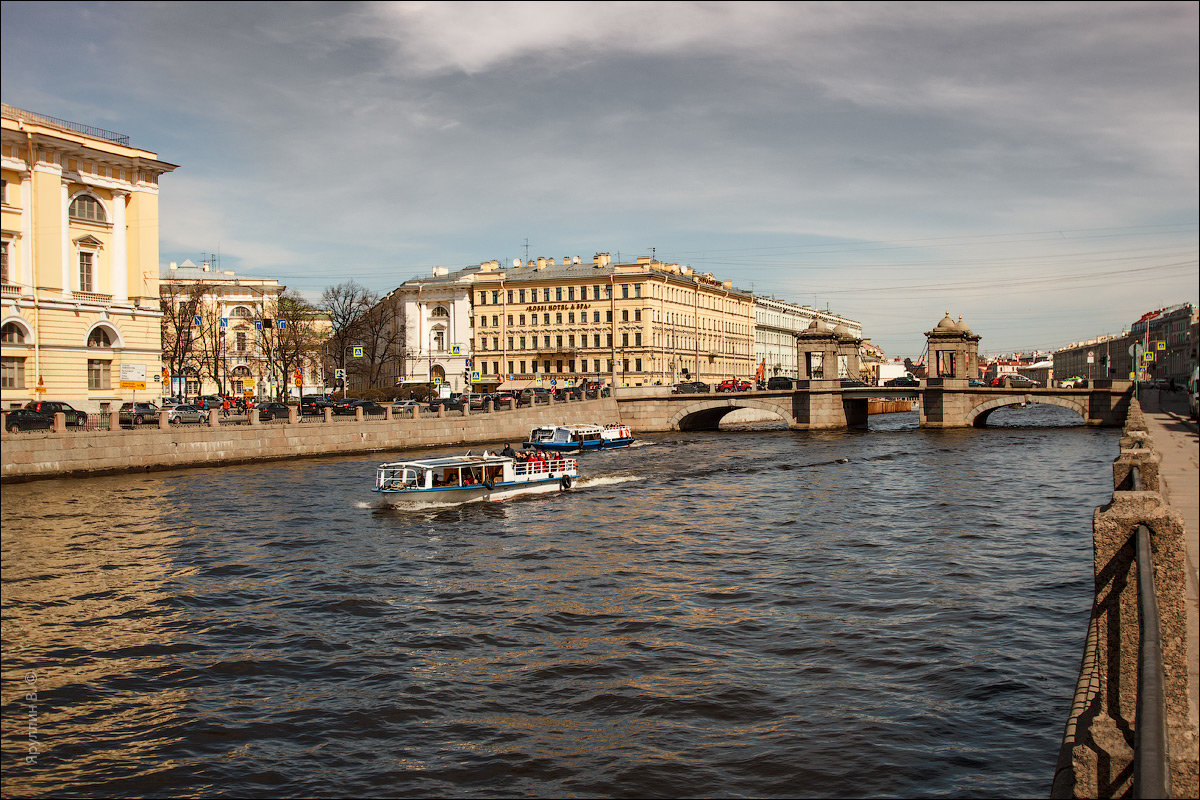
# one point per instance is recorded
(448, 461)
(575, 426)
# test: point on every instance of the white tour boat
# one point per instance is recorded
(462, 479)
(572, 438)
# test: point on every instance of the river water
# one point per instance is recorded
(746, 613)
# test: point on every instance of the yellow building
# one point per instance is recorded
(630, 324)
(80, 312)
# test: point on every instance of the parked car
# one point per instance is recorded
(52, 407)
(24, 419)
(314, 404)
(405, 405)
(903, 381)
(975, 382)
(209, 401)
(137, 413)
(850, 383)
(502, 400)
(343, 406)
(181, 414)
(268, 412)
(568, 392)
(734, 385)
(369, 408)
(779, 382)
(451, 403)
(535, 395)
(1019, 382)
(691, 387)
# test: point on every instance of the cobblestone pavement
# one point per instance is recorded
(1175, 437)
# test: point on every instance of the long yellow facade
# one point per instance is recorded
(631, 324)
(79, 284)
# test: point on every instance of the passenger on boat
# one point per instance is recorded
(508, 451)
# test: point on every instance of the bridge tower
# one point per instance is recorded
(953, 350)
(824, 357)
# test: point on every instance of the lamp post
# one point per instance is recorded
(345, 375)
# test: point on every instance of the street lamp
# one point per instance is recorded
(345, 376)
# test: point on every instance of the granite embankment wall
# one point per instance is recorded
(34, 455)
(1096, 759)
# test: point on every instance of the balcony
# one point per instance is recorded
(92, 297)
(8, 290)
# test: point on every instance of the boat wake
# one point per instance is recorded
(612, 480)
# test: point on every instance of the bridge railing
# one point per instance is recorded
(1127, 733)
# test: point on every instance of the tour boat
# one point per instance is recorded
(463, 479)
(571, 438)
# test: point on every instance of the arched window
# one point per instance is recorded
(99, 338)
(240, 312)
(240, 372)
(88, 208)
(439, 311)
(12, 333)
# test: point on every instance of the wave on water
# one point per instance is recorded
(610, 480)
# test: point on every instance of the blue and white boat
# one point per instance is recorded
(578, 438)
(469, 478)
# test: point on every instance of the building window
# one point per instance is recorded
(571, 317)
(12, 372)
(12, 333)
(483, 321)
(559, 364)
(637, 341)
(510, 295)
(596, 338)
(595, 316)
(483, 298)
(546, 317)
(99, 338)
(495, 298)
(4, 262)
(99, 374)
(637, 315)
(85, 272)
(624, 290)
(510, 320)
(88, 208)
(624, 315)
(521, 320)
(637, 365)
(558, 318)
(240, 341)
(570, 293)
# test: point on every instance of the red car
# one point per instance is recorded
(734, 385)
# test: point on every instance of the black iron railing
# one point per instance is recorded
(1151, 760)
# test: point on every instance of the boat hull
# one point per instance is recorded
(575, 447)
(453, 495)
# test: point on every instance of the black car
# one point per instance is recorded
(344, 406)
(369, 408)
(779, 382)
(691, 387)
(268, 412)
(903, 380)
(314, 404)
(25, 419)
(51, 407)
(452, 403)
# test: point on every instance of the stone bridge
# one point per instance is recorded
(827, 405)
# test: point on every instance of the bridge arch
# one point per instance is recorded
(706, 415)
(978, 415)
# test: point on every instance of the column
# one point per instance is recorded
(120, 269)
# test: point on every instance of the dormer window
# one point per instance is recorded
(87, 208)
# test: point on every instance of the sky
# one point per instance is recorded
(1031, 167)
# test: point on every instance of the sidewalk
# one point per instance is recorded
(1176, 440)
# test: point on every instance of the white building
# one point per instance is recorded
(777, 324)
(434, 314)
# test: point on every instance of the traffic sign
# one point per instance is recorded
(474, 376)
(357, 352)
(339, 374)
(456, 349)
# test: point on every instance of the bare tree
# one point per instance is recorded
(180, 305)
(377, 333)
(347, 304)
(289, 339)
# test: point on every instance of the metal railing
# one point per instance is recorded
(1151, 759)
